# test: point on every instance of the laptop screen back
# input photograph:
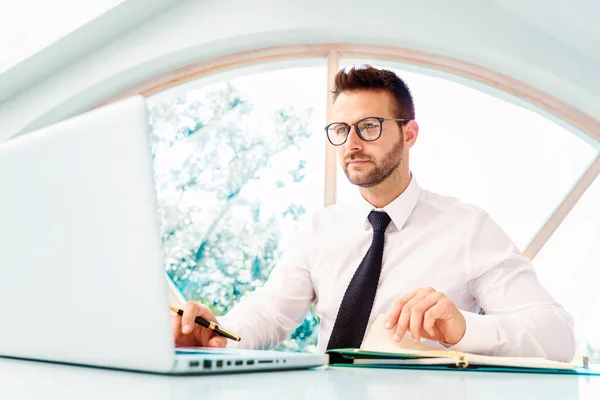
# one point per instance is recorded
(82, 276)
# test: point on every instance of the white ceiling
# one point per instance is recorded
(551, 45)
(573, 22)
(19, 41)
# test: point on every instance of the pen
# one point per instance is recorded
(210, 325)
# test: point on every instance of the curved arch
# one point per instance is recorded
(473, 72)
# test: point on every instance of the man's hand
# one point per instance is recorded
(187, 333)
(428, 314)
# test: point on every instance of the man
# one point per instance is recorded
(430, 263)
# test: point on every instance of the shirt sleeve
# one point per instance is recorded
(520, 317)
(267, 315)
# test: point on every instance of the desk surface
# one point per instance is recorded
(31, 380)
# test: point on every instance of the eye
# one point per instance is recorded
(341, 130)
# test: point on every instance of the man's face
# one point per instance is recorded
(367, 164)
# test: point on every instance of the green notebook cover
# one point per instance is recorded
(346, 357)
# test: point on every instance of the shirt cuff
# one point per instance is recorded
(481, 334)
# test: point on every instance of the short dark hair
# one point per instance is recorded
(370, 78)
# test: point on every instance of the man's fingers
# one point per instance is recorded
(186, 332)
(431, 316)
(179, 338)
(393, 316)
(217, 341)
(191, 310)
(196, 333)
(426, 313)
(176, 326)
(404, 319)
(205, 335)
(417, 312)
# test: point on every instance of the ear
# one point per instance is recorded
(411, 132)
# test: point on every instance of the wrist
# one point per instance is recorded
(480, 334)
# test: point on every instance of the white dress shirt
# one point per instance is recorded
(432, 241)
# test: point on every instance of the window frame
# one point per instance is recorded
(333, 52)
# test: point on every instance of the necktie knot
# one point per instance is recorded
(379, 220)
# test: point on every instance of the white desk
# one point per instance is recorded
(33, 380)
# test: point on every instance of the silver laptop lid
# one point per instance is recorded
(82, 279)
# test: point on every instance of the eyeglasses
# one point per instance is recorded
(368, 129)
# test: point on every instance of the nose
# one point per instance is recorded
(353, 142)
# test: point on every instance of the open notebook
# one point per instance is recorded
(380, 350)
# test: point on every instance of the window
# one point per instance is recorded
(513, 163)
(239, 161)
(568, 267)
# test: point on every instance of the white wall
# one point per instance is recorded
(476, 31)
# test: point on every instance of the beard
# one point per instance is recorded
(383, 169)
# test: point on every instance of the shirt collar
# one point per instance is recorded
(399, 209)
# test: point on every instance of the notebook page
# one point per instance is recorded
(523, 362)
(379, 339)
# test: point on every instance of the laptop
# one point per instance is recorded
(82, 274)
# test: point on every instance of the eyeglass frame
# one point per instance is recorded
(380, 119)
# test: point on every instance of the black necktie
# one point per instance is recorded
(353, 315)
